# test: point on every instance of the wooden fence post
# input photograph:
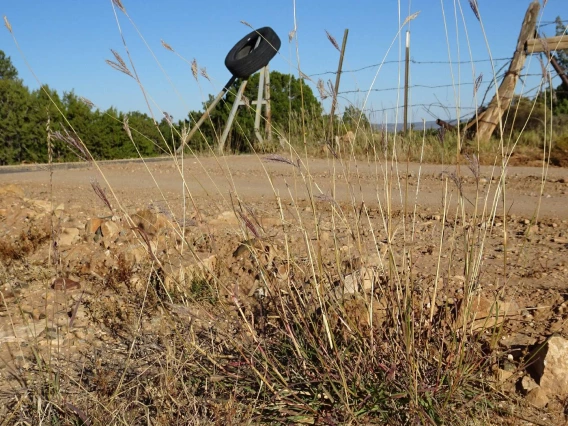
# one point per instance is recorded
(337, 80)
(489, 119)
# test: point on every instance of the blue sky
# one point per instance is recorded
(67, 41)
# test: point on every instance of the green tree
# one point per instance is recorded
(46, 104)
(289, 98)
(15, 125)
(170, 136)
(145, 134)
(78, 113)
(353, 118)
(108, 136)
(526, 116)
(562, 55)
(14, 106)
(561, 98)
(7, 70)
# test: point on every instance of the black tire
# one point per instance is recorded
(244, 59)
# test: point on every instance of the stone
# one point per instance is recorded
(486, 313)
(80, 334)
(225, 218)
(21, 333)
(12, 190)
(38, 314)
(93, 225)
(61, 320)
(550, 367)
(59, 210)
(537, 397)
(184, 272)
(65, 284)
(109, 229)
(361, 280)
(150, 222)
(502, 375)
(41, 206)
(528, 383)
(516, 340)
(68, 236)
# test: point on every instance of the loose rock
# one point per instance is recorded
(62, 284)
(109, 228)
(93, 225)
(12, 190)
(537, 397)
(68, 236)
(551, 366)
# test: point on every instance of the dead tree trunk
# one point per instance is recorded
(489, 119)
(561, 73)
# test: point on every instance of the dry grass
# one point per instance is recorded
(300, 351)
(18, 247)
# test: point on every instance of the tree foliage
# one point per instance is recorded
(354, 118)
(562, 55)
(7, 70)
(26, 114)
(289, 98)
(561, 98)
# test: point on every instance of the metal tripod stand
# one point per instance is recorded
(263, 99)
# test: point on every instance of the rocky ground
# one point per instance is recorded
(73, 266)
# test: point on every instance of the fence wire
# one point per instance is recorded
(480, 89)
(412, 61)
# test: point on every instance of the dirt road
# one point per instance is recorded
(255, 179)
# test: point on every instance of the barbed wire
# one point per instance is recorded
(434, 105)
(428, 86)
(547, 23)
(471, 110)
(412, 61)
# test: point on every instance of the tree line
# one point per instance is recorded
(27, 116)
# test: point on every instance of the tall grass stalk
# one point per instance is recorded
(303, 346)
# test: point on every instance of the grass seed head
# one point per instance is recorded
(203, 72)
(477, 83)
(7, 23)
(321, 89)
(118, 3)
(332, 40)
(167, 46)
(194, 68)
(291, 35)
(475, 8)
(120, 65)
